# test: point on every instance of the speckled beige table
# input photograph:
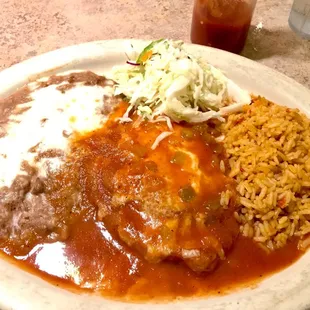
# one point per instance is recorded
(28, 28)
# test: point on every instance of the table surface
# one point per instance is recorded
(29, 28)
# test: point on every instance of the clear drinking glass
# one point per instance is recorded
(222, 24)
(299, 19)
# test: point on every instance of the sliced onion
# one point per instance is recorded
(132, 63)
(161, 137)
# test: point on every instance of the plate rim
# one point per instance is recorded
(110, 43)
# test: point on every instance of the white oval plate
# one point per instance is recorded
(288, 289)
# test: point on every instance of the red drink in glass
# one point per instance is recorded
(222, 24)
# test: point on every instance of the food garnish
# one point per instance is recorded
(165, 80)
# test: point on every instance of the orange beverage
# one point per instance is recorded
(222, 24)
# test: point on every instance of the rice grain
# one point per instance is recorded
(268, 149)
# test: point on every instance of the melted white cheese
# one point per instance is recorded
(193, 168)
(50, 114)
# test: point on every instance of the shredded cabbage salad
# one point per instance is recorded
(165, 80)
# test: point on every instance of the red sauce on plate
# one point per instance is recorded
(94, 258)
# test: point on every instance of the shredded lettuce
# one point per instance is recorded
(169, 81)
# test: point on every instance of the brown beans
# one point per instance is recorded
(37, 187)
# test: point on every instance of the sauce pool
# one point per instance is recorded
(92, 259)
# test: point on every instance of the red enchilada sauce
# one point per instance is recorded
(93, 261)
(94, 258)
